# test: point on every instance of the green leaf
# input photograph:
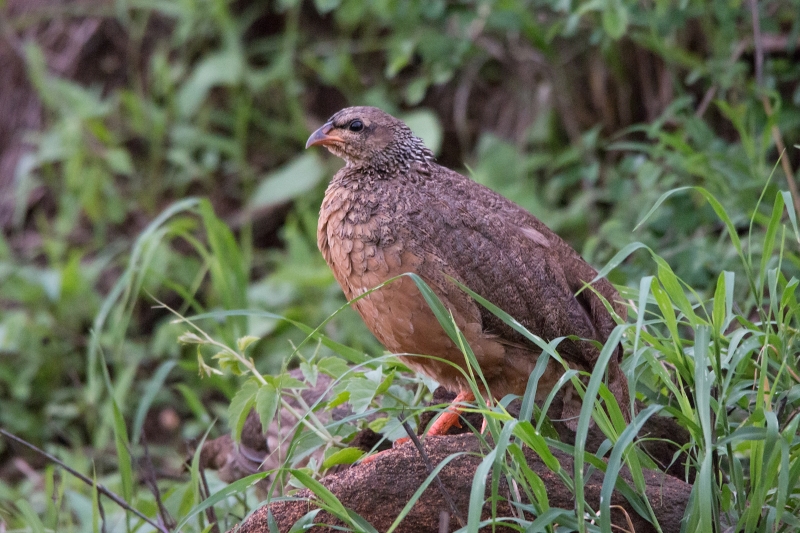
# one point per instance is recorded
(119, 161)
(223, 68)
(658, 203)
(615, 18)
(787, 200)
(267, 400)
(723, 303)
(240, 407)
(286, 381)
(476, 494)
(535, 483)
(345, 456)
(589, 397)
(333, 366)
(339, 399)
(769, 237)
(618, 258)
(362, 391)
(399, 55)
(243, 342)
(227, 264)
(675, 291)
(296, 177)
(326, 6)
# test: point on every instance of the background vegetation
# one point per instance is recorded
(152, 161)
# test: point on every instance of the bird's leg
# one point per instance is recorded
(446, 420)
(449, 418)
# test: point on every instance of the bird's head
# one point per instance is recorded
(367, 136)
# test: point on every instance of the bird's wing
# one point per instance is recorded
(512, 259)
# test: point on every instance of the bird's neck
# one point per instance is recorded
(401, 157)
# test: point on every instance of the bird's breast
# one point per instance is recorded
(357, 239)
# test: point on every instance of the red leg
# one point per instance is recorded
(445, 421)
(449, 418)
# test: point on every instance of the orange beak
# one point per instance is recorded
(321, 137)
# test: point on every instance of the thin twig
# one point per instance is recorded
(765, 44)
(785, 164)
(100, 488)
(429, 466)
(776, 132)
(151, 481)
(444, 521)
(759, 48)
(211, 514)
(102, 515)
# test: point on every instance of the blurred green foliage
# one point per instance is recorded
(585, 113)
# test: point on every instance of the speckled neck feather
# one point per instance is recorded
(399, 155)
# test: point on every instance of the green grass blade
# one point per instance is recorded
(618, 258)
(304, 523)
(149, 394)
(121, 441)
(702, 386)
(528, 435)
(234, 488)
(608, 351)
(331, 502)
(122, 284)
(669, 281)
(477, 492)
(354, 356)
(509, 320)
(321, 491)
(769, 237)
(658, 203)
(644, 290)
(787, 200)
(31, 518)
(615, 463)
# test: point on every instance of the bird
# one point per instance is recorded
(392, 210)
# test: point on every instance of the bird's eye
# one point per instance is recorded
(356, 125)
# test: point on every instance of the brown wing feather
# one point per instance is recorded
(508, 256)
